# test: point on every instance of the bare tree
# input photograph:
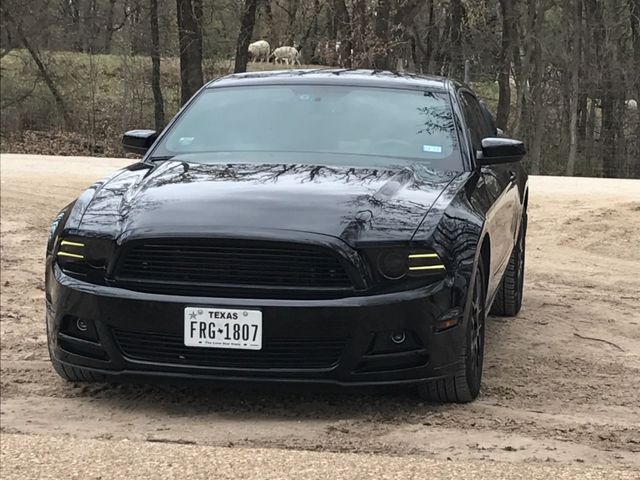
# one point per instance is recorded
(507, 45)
(158, 100)
(344, 30)
(634, 15)
(381, 57)
(190, 41)
(244, 36)
(62, 107)
(575, 54)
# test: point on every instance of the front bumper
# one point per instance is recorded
(357, 330)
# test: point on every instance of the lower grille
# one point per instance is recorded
(289, 353)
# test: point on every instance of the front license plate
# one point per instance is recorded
(223, 328)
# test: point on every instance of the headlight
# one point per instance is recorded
(393, 265)
(55, 224)
(396, 264)
(84, 257)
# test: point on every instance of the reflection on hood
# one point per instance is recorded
(353, 203)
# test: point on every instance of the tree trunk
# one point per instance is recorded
(456, 65)
(244, 37)
(613, 106)
(360, 22)
(504, 65)
(109, 28)
(274, 38)
(537, 90)
(135, 19)
(381, 54)
(345, 32)
(62, 107)
(634, 6)
(431, 41)
(190, 41)
(575, 47)
(309, 41)
(158, 101)
(594, 43)
(609, 129)
(292, 13)
(590, 140)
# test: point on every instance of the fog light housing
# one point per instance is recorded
(398, 337)
(77, 327)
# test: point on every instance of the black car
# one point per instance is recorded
(350, 227)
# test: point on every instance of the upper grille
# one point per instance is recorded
(210, 267)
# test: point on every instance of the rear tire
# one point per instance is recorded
(76, 374)
(508, 299)
(464, 386)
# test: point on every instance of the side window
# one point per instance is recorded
(489, 120)
(476, 121)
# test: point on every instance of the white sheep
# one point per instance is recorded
(260, 51)
(288, 55)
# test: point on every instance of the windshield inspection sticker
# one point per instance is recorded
(431, 148)
(186, 140)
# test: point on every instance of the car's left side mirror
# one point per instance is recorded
(138, 141)
(501, 150)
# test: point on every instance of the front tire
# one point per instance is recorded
(464, 386)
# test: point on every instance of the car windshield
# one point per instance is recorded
(318, 119)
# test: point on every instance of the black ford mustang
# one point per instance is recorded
(337, 226)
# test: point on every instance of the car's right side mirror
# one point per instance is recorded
(501, 150)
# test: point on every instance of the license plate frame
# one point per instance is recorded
(222, 327)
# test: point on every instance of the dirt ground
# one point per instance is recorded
(561, 385)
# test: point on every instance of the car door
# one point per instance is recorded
(500, 184)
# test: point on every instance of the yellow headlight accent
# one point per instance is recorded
(428, 267)
(73, 255)
(71, 244)
(424, 255)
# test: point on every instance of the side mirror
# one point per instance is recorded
(501, 150)
(138, 141)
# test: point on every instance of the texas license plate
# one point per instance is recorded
(223, 328)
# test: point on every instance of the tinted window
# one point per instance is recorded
(489, 120)
(414, 125)
(476, 121)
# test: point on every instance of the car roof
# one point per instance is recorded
(336, 76)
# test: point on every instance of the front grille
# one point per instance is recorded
(289, 353)
(211, 267)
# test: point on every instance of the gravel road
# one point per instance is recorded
(560, 396)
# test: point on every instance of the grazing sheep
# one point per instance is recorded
(260, 51)
(288, 55)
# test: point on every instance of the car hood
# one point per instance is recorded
(184, 197)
